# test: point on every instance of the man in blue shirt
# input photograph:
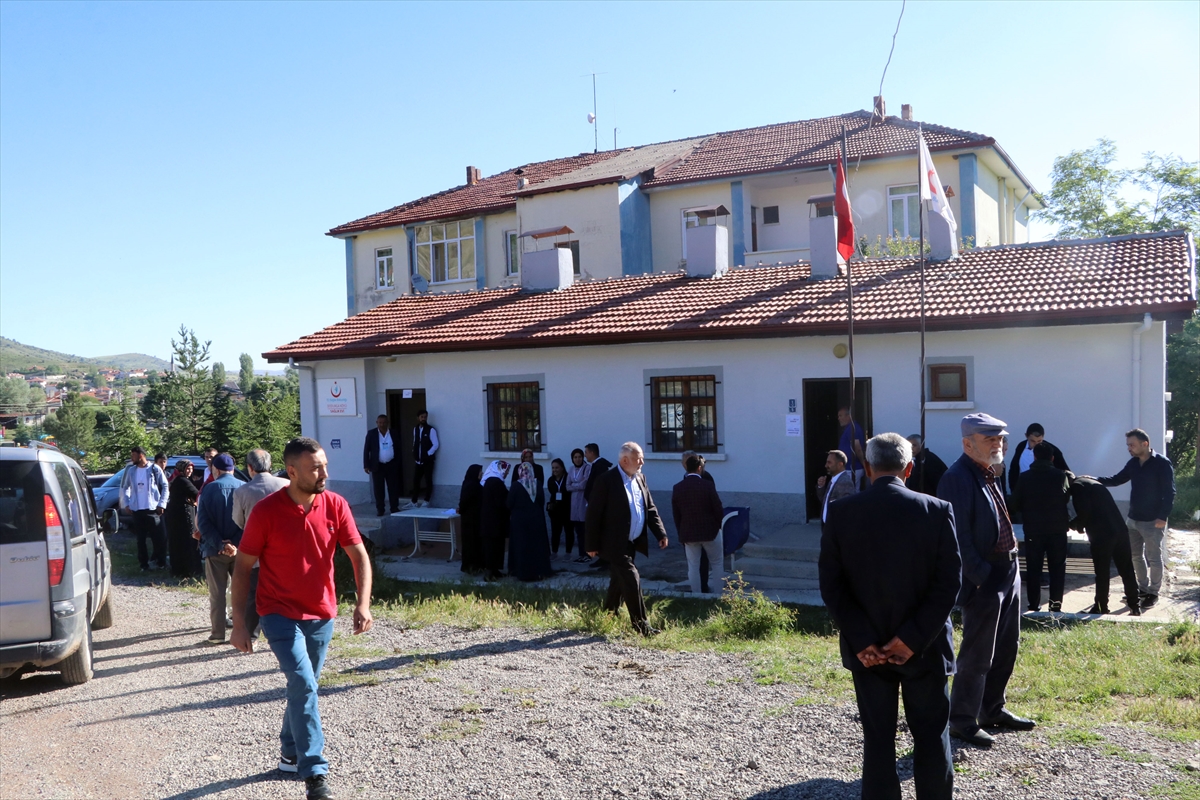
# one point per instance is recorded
(219, 538)
(1151, 496)
(852, 442)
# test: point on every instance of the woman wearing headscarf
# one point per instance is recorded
(470, 503)
(529, 547)
(180, 519)
(493, 518)
(577, 481)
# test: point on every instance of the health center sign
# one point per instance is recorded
(335, 397)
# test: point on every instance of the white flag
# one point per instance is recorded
(931, 188)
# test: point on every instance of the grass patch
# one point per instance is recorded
(630, 702)
(452, 729)
(347, 677)
(1074, 736)
(346, 647)
(1184, 789)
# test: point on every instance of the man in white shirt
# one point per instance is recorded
(144, 494)
(839, 484)
(381, 461)
(424, 449)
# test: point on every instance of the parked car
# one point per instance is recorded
(198, 467)
(55, 569)
(108, 495)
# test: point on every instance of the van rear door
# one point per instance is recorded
(24, 572)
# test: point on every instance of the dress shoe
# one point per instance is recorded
(1135, 612)
(979, 738)
(1007, 719)
(1055, 606)
(1033, 608)
(1097, 609)
(1148, 601)
(647, 630)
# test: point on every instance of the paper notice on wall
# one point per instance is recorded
(407, 394)
(792, 423)
(336, 397)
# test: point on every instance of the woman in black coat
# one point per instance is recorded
(493, 518)
(529, 548)
(558, 506)
(470, 503)
(180, 519)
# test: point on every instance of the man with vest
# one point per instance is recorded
(424, 450)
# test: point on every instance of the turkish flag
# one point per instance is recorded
(841, 207)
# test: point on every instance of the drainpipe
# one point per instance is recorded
(1137, 369)
(1018, 208)
(316, 434)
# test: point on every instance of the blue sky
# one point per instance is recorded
(165, 164)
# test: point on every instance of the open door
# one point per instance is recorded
(403, 405)
(822, 399)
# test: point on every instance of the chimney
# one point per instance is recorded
(880, 108)
(822, 237)
(943, 242)
(522, 183)
(708, 244)
(906, 112)
(547, 270)
(472, 176)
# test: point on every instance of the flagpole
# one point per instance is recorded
(921, 226)
(849, 310)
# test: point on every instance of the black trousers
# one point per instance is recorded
(1051, 548)
(579, 529)
(560, 524)
(625, 584)
(423, 471)
(387, 474)
(1105, 551)
(252, 605)
(927, 711)
(991, 616)
(147, 525)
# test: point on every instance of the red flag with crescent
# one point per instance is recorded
(841, 207)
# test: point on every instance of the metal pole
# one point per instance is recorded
(849, 307)
(595, 116)
(921, 225)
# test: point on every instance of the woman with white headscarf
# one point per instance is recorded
(529, 546)
(493, 518)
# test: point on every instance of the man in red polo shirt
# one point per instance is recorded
(293, 534)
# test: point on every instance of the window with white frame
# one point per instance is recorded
(512, 246)
(446, 251)
(385, 274)
(904, 211)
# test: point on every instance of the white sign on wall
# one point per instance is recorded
(792, 424)
(335, 397)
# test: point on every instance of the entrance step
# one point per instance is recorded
(776, 568)
(775, 583)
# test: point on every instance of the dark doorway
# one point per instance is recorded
(822, 399)
(403, 405)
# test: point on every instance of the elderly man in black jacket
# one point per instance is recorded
(889, 571)
(991, 587)
(1042, 500)
(620, 514)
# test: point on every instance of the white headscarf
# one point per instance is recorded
(528, 479)
(496, 469)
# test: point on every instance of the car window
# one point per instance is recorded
(85, 492)
(22, 518)
(115, 480)
(74, 512)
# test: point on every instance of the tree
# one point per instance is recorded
(1183, 382)
(218, 373)
(181, 403)
(224, 419)
(119, 430)
(17, 396)
(73, 426)
(246, 374)
(1090, 198)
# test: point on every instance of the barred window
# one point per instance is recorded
(684, 412)
(514, 416)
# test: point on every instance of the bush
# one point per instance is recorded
(746, 613)
(1187, 502)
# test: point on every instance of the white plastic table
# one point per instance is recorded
(419, 534)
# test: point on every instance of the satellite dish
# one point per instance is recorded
(591, 117)
(419, 284)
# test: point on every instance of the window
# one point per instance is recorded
(904, 211)
(948, 382)
(513, 246)
(514, 416)
(385, 276)
(446, 251)
(684, 413)
(574, 248)
(770, 215)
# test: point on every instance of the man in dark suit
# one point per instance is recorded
(990, 597)
(1097, 512)
(619, 515)
(381, 461)
(697, 512)
(927, 470)
(600, 466)
(1042, 500)
(889, 570)
(1022, 460)
(836, 484)
(705, 566)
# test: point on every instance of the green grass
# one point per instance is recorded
(630, 702)
(1183, 789)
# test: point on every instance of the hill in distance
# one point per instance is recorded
(17, 357)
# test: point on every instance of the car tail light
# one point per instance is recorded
(56, 543)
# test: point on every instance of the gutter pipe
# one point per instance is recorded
(1137, 368)
(292, 363)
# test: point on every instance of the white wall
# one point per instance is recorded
(666, 219)
(497, 255)
(594, 216)
(366, 296)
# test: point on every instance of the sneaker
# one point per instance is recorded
(423, 504)
(1055, 606)
(407, 505)
(317, 788)
(1148, 601)
(214, 639)
(287, 764)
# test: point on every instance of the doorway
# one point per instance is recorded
(822, 399)
(403, 405)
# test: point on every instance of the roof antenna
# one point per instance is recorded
(592, 116)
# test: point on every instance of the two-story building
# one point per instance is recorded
(587, 299)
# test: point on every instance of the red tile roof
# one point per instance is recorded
(771, 148)
(1050, 283)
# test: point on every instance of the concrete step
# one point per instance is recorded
(779, 549)
(772, 582)
(774, 567)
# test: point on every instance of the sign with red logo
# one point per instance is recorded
(336, 398)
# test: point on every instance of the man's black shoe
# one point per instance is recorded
(979, 738)
(1055, 606)
(318, 788)
(1034, 608)
(1148, 601)
(1097, 609)
(1134, 611)
(1007, 719)
(647, 630)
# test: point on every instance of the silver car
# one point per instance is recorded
(55, 570)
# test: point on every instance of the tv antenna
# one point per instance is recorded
(591, 118)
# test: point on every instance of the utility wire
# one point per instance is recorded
(882, 77)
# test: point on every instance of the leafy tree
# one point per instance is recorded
(224, 419)
(73, 426)
(17, 396)
(181, 403)
(1089, 197)
(1183, 382)
(119, 430)
(246, 373)
(218, 373)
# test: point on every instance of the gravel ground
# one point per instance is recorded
(494, 713)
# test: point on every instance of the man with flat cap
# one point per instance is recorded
(990, 597)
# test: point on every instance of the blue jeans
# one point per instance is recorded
(300, 646)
